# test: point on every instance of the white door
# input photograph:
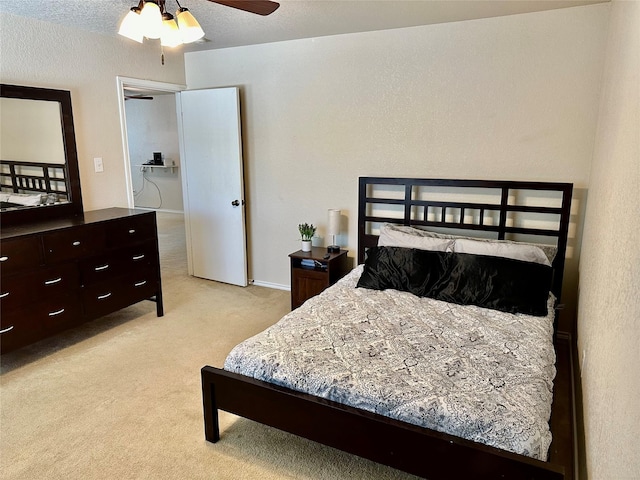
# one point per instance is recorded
(212, 178)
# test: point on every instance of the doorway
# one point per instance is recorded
(150, 144)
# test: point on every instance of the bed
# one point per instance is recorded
(30, 184)
(393, 419)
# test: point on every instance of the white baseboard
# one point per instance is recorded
(276, 286)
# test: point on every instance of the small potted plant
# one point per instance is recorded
(306, 233)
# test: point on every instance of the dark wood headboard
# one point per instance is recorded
(497, 210)
(18, 177)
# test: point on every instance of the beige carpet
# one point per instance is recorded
(119, 398)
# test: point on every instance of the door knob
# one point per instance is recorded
(235, 203)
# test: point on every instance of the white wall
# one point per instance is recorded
(513, 97)
(152, 126)
(609, 301)
(43, 54)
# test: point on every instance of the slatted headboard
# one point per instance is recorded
(19, 177)
(513, 210)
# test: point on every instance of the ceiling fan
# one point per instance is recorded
(260, 7)
(150, 19)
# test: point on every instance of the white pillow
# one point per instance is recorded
(516, 251)
(408, 237)
(28, 200)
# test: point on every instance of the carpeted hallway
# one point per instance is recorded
(120, 396)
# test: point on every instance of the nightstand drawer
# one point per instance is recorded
(325, 270)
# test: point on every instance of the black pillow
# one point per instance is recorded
(503, 284)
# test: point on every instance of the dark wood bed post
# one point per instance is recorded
(211, 422)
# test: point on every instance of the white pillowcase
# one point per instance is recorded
(392, 235)
(26, 199)
(408, 237)
(516, 251)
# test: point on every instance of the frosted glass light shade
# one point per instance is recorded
(189, 27)
(131, 26)
(151, 20)
(334, 222)
(170, 33)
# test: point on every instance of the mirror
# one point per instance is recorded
(39, 175)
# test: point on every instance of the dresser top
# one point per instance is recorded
(86, 218)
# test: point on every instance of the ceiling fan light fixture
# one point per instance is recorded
(151, 19)
(171, 36)
(190, 29)
(131, 26)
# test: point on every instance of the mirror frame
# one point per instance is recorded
(74, 207)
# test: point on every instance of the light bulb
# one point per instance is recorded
(131, 26)
(189, 27)
(170, 33)
(151, 20)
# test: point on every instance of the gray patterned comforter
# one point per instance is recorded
(476, 373)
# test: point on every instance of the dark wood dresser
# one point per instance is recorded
(60, 273)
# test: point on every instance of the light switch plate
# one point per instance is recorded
(97, 162)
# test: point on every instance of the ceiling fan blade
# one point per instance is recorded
(261, 7)
(137, 97)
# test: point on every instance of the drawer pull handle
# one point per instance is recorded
(57, 312)
(76, 243)
(138, 257)
(139, 284)
(54, 281)
(102, 297)
(101, 267)
(4, 259)
(8, 329)
(5, 294)
(133, 230)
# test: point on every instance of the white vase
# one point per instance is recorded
(306, 245)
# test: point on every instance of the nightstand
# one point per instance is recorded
(308, 281)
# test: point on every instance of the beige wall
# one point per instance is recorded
(513, 97)
(42, 54)
(609, 303)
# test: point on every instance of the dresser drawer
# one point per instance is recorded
(59, 314)
(73, 243)
(131, 230)
(15, 292)
(19, 328)
(103, 298)
(52, 282)
(116, 263)
(19, 254)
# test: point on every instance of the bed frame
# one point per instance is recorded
(42, 177)
(410, 448)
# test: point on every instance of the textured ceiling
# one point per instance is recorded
(227, 27)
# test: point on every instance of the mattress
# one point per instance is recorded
(477, 373)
